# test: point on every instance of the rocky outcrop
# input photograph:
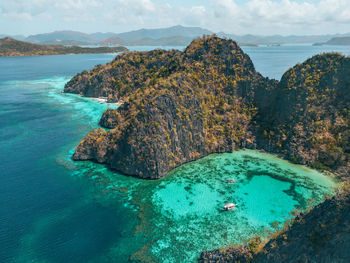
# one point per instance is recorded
(181, 106)
(320, 236)
(308, 121)
(199, 106)
(125, 74)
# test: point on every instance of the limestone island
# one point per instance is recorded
(181, 106)
(10, 47)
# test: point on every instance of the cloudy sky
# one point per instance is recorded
(231, 16)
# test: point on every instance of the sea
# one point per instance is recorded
(53, 209)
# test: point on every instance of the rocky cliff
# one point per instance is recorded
(181, 106)
(308, 121)
(320, 236)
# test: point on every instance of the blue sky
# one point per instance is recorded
(262, 17)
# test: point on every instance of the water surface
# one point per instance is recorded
(55, 210)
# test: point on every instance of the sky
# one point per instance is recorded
(262, 17)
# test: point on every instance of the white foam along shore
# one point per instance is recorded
(105, 100)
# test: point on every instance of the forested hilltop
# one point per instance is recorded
(10, 47)
(181, 106)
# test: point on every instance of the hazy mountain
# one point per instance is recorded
(103, 36)
(147, 41)
(62, 35)
(175, 31)
(176, 35)
(337, 41)
(278, 39)
(67, 43)
(17, 37)
(113, 41)
(170, 36)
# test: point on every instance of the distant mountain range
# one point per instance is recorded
(62, 36)
(148, 41)
(161, 33)
(278, 39)
(336, 41)
(171, 36)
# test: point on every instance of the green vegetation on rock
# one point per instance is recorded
(10, 47)
(309, 119)
(181, 106)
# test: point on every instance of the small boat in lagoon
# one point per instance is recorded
(229, 206)
(230, 181)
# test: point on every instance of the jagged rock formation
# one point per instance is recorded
(127, 73)
(181, 106)
(320, 236)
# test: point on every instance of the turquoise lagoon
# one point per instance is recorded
(55, 210)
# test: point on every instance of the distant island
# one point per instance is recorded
(336, 41)
(170, 36)
(10, 47)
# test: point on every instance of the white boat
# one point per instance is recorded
(230, 181)
(229, 206)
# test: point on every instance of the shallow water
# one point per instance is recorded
(181, 214)
(55, 210)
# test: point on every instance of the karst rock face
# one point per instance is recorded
(180, 106)
(309, 120)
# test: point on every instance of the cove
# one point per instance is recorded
(181, 214)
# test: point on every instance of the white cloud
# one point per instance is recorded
(18, 16)
(232, 16)
(285, 16)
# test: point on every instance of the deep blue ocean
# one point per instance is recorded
(36, 191)
(48, 213)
